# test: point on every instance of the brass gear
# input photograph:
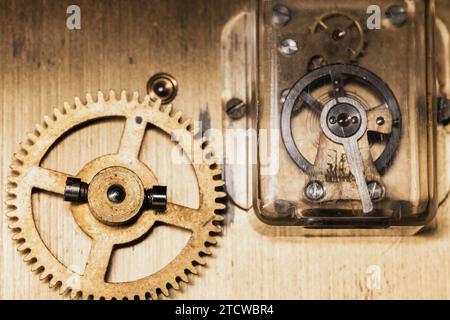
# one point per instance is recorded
(26, 174)
(336, 37)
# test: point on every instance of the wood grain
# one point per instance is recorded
(121, 44)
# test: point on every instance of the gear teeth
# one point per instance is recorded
(13, 226)
(53, 282)
(74, 294)
(26, 146)
(175, 285)
(89, 98)
(57, 113)
(10, 203)
(17, 236)
(212, 240)
(135, 97)
(16, 168)
(48, 121)
(68, 107)
(211, 160)
(63, 290)
(177, 116)
(216, 229)
(221, 195)
(207, 251)
(78, 103)
(28, 257)
(45, 276)
(152, 295)
(201, 261)
(20, 157)
(220, 206)
(203, 143)
(37, 268)
(40, 129)
(168, 109)
(184, 277)
(218, 218)
(11, 214)
(187, 124)
(100, 97)
(112, 96)
(12, 182)
(123, 96)
(22, 247)
(192, 269)
(218, 183)
(32, 137)
(158, 104)
(164, 291)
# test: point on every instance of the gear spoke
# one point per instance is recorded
(98, 260)
(311, 102)
(49, 180)
(132, 136)
(180, 216)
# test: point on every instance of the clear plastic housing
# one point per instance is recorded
(381, 124)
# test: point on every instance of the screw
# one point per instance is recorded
(332, 120)
(288, 46)
(236, 108)
(284, 207)
(397, 14)
(162, 86)
(375, 190)
(380, 121)
(355, 120)
(280, 15)
(314, 191)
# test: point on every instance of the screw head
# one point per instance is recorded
(281, 15)
(380, 121)
(284, 207)
(314, 191)
(236, 108)
(288, 46)
(162, 86)
(376, 190)
(397, 14)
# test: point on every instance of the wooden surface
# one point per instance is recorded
(121, 44)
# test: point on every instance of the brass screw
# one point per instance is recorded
(162, 86)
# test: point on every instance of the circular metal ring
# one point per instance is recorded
(359, 74)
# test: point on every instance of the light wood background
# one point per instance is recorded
(121, 44)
